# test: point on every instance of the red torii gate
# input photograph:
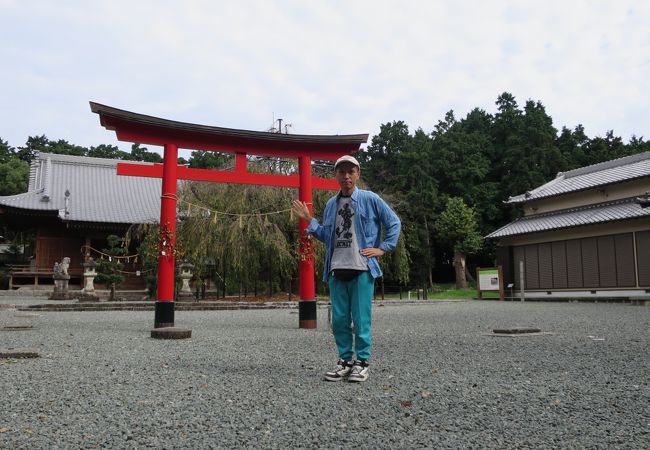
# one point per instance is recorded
(172, 135)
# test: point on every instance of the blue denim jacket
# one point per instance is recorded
(371, 212)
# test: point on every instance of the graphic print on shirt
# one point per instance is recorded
(343, 229)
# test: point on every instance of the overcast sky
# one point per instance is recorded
(326, 67)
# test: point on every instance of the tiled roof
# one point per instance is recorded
(97, 193)
(608, 172)
(574, 217)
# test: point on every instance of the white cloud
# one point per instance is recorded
(327, 67)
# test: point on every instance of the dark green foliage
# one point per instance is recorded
(6, 151)
(143, 154)
(107, 151)
(210, 160)
(62, 147)
(457, 226)
(34, 144)
(109, 267)
(398, 166)
(14, 175)
(480, 159)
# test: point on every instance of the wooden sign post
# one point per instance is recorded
(489, 279)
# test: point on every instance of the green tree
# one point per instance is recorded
(14, 173)
(210, 160)
(231, 225)
(145, 236)
(397, 265)
(397, 165)
(379, 160)
(601, 149)
(461, 151)
(63, 147)
(109, 267)
(43, 144)
(107, 151)
(572, 145)
(457, 227)
(525, 154)
(415, 185)
(6, 151)
(14, 176)
(143, 154)
(638, 145)
(32, 145)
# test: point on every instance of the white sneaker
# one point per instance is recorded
(359, 372)
(340, 372)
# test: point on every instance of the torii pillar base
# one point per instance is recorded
(307, 314)
(164, 316)
(171, 333)
(164, 323)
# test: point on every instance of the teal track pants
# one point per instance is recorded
(352, 304)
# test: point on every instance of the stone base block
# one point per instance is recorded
(84, 297)
(171, 333)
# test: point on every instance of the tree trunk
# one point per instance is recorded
(428, 243)
(111, 296)
(459, 268)
(469, 275)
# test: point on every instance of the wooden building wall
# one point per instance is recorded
(51, 249)
(601, 262)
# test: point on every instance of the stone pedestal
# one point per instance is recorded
(61, 279)
(185, 292)
(60, 287)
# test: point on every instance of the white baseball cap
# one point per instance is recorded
(346, 158)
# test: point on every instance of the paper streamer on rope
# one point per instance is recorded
(238, 215)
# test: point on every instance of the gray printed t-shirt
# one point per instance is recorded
(346, 246)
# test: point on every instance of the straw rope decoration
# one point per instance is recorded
(193, 206)
(87, 249)
(167, 247)
(128, 258)
(305, 246)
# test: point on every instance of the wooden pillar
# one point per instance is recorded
(164, 316)
(307, 302)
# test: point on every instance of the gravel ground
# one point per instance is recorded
(252, 379)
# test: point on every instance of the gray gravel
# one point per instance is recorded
(252, 379)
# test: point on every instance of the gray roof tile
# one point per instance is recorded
(608, 172)
(575, 217)
(97, 193)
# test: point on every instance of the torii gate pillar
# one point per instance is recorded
(164, 316)
(307, 304)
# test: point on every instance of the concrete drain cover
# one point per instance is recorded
(17, 327)
(18, 353)
(518, 332)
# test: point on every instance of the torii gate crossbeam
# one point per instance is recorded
(172, 135)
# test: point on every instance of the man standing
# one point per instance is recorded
(352, 234)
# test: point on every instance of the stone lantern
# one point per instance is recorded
(185, 274)
(87, 293)
(89, 276)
